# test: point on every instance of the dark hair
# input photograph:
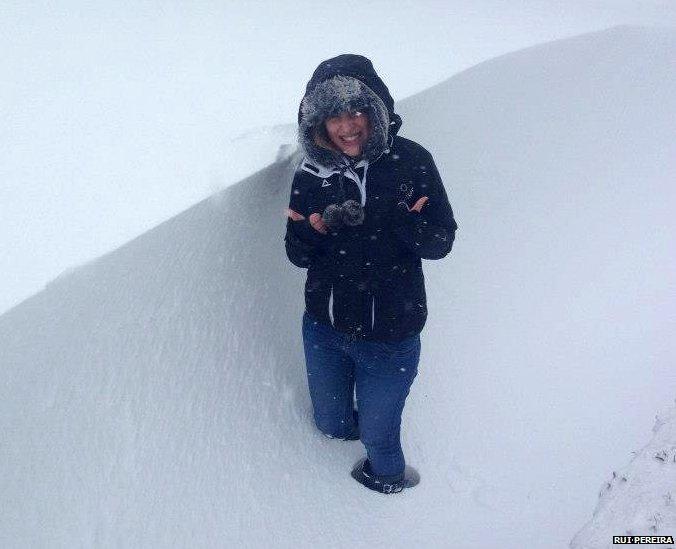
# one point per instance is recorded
(323, 132)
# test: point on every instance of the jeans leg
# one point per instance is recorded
(384, 375)
(330, 374)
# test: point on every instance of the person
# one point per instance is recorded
(366, 206)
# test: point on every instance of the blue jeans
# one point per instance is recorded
(382, 373)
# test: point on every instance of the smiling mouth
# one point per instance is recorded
(349, 139)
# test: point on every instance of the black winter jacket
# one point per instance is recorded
(367, 280)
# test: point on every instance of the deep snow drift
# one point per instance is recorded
(156, 396)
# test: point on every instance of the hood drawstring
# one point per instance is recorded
(343, 166)
(349, 164)
(341, 181)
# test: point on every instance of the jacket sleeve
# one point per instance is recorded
(430, 233)
(303, 243)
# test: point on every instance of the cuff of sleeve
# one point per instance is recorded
(406, 219)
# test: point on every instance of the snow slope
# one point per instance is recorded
(156, 396)
(558, 306)
(639, 498)
(121, 204)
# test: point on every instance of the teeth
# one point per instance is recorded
(350, 138)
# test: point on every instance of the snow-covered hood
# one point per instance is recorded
(343, 83)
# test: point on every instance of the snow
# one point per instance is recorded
(638, 499)
(157, 396)
(256, 148)
(115, 205)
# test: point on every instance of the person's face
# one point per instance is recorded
(348, 131)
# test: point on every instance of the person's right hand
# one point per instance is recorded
(315, 220)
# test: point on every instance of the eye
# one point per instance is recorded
(356, 114)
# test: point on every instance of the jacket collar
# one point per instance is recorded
(321, 171)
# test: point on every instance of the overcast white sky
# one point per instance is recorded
(117, 115)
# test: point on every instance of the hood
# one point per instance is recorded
(337, 85)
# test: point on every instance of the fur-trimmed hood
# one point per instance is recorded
(346, 82)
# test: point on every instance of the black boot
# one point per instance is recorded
(363, 474)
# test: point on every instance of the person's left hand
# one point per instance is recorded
(418, 204)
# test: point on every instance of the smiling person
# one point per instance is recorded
(366, 206)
